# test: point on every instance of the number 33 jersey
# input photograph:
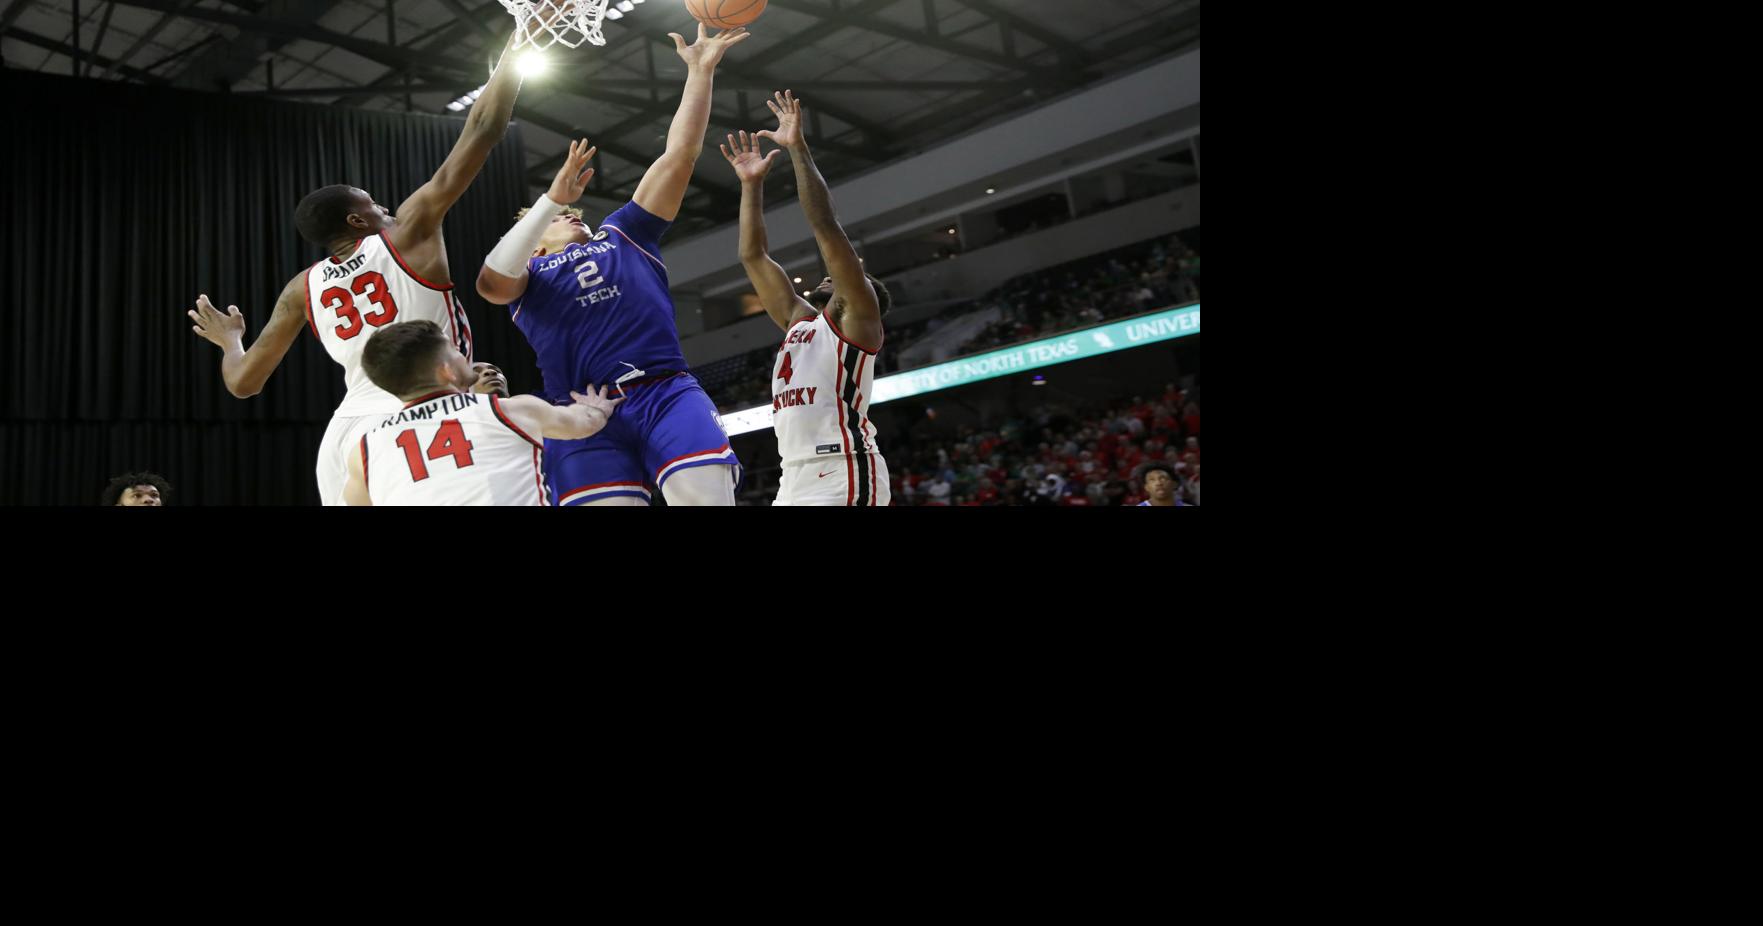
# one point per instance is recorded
(348, 300)
(594, 312)
(452, 448)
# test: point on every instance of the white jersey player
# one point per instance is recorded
(824, 375)
(447, 446)
(382, 270)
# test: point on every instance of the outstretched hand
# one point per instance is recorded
(221, 330)
(571, 179)
(708, 49)
(745, 157)
(788, 111)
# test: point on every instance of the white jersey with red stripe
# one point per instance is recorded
(348, 300)
(452, 448)
(822, 385)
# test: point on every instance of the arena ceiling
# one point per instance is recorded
(881, 78)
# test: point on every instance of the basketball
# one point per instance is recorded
(725, 14)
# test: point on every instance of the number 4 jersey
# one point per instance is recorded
(348, 300)
(822, 385)
(452, 448)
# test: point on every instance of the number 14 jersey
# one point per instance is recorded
(452, 448)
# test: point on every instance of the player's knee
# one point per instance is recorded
(701, 486)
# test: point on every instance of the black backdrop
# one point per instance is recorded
(121, 203)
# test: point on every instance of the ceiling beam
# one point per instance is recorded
(63, 48)
(226, 63)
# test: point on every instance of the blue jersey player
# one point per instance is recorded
(594, 306)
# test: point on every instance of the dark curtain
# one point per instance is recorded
(122, 203)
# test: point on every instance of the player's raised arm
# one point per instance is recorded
(245, 371)
(664, 185)
(770, 280)
(503, 277)
(419, 217)
(585, 418)
(862, 319)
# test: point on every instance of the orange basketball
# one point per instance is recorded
(725, 14)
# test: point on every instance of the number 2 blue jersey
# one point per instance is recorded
(592, 308)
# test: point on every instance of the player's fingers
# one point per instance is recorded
(587, 175)
(233, 310)
(703, 31)
(773, 155)
(679, 43)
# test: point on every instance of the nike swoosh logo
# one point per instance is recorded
(824, 475)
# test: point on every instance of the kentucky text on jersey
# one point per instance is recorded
(790, 398)
(433, 409)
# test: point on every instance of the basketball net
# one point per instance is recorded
(539, 23)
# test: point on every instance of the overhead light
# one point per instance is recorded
(455, 106)
(951, 231)
(1039, 380)
(627, 5)
(990, 191)
(807, 293)
(798, 279)
(613, 13)
(532, 64)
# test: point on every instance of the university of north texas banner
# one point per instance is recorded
(1089, 342)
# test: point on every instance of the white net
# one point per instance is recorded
(539, 23)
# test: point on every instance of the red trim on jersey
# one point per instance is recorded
(456, 309)
(406, 267)
(639, 247)
(312, 324)
(452, 336)
(539, 477)
(364, 461)
(863, 422)
(844, 436)
(337, 260)
(700, 453)
(635, 487)
(433, 396)
(496, 406)
(841, 336)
